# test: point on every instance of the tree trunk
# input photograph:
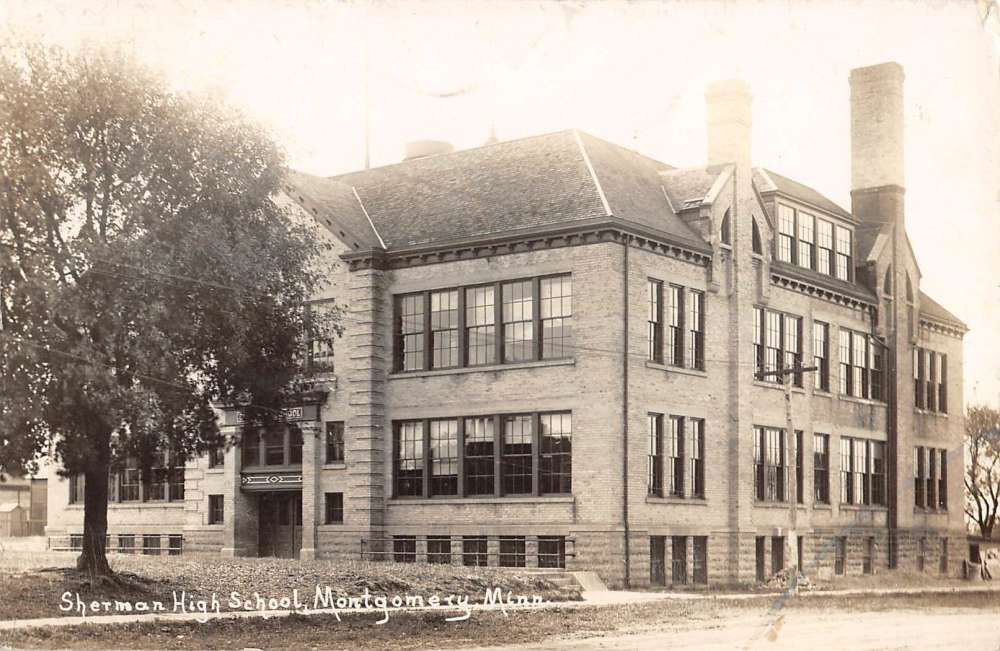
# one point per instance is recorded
(94, 559)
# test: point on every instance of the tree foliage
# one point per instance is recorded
(145, 272)
(982, 475)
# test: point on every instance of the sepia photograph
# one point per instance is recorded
(494, 325)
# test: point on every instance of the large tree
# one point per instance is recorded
(146, 273)
(982, 475)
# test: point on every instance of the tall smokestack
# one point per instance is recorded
(877, 178)
(727, 105)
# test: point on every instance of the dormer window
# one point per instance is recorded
(814, 243)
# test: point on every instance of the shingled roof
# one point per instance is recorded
(931, 308)
(497, 189)
(555, 179)
(768, 181)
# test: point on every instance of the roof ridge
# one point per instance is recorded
(456, 152)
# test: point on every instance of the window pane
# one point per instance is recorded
(479, 456)
(555, 432)
(518, 328)
(556, 313)
(444, 328)
(410, 332)
(480, 326)
(409, 446)
(444, 457)
(517, 460)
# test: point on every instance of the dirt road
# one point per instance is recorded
(969, 630)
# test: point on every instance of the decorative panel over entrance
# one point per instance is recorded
(271, 481)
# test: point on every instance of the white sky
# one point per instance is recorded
(633, 73)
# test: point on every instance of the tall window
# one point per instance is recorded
(862, 479)
(654, 321)
(824, 250)
(654, 482)
(216, 509)
(930, 380)
(696, 450)
(557, 316)
(696, 334)
(860, 366)
(943, 480)
(334, 504)
(793, 346)
(931, 490)
(777, 344)
(799, 477)
(846, 472)
(76, 489)
(675, 456)
(843, 253)
(555, 435)
(479, 442)
(480, 325)
(821, 355)
(444, 328)
(319, 346)
(335, 442)
(410, 332)
(130, 480)
(786, 233)
(675, 325)
(756, 240)
(517, 455)
(409, 445)
(918, 477)
(518, 321)
(877, 381)
(821, 468)
(878, 472)
(806, 240)
(769, 464)
(444, 456)
(943, 387)
(725, 231)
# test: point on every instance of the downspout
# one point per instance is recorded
(625, 311)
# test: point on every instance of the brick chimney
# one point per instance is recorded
(877, 177)
(727, 107)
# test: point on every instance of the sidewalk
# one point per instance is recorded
(593, 599)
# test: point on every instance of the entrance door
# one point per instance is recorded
(280, 532)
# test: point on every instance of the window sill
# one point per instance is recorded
(820, 393)
(927, 412)
(784, 506)
(564, 361)
(215, 471)
(339, 465)
(780, 387)
(861, 401)
(175, 504)
(925, 511)
(266, 469)
(330, 526)
(863, 507)
(821, 506)
(527, 499)
(675, 369)
(656, 499)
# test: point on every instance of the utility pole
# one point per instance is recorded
(787, 376)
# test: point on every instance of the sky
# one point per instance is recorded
(633, 73)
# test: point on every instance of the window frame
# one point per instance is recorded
(821, 468)
(770, 358)
(333, 508)
(334, 449)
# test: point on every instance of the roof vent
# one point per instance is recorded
(423, 148)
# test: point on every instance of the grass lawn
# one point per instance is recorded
(424, 630)
(30, 591)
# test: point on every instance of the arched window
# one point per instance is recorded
(757, 246)
(909, 289)
(887, 283)
(725, 233)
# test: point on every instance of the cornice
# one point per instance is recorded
(591, 231)
(942, 327)
(817, 290)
